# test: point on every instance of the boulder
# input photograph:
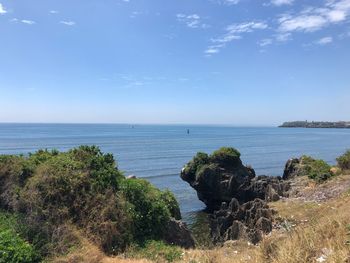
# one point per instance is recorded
(221, 176)
(178, 234)
(234, 195)
(291, 168)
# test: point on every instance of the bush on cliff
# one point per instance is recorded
(226, 155)
(191, 168)
(317, 170)
(344, 161)
(150, 208)
(62, 194)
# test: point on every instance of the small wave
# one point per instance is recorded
(160, 175)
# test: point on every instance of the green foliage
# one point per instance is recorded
(156, 251)
(150, 208)
(226, 151)
(191, 168)
(13, 248)
(317, 170)
(102, 167)
(58, 193)
(171, 203)
(226, 156)
(344, 161)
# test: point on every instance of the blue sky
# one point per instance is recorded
(237, 62)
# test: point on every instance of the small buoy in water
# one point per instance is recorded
(188, 131)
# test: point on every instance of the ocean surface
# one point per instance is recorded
(158, 152)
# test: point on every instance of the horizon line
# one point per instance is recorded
(150, 123)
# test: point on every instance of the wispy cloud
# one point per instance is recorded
(283, 37)
(227, 2)
(233, 32)
(2, 10)
(192, 21)
(246, 27)
(135, 14)
(315, 18)
(324, 41)
(53, 12)
(265, 42)
(281, 2)
(212, 50)
(28, 22)
(68, 23)
(24, 21)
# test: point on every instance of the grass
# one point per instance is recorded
(156, 251)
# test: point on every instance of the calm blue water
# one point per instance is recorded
(158, 153)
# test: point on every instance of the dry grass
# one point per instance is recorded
(90, 253)
(307, 232)
(321, 231)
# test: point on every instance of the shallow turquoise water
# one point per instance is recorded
(158, 152)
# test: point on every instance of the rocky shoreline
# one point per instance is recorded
(237, 200)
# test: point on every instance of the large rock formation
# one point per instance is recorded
(315, 169)
(233, 193)
(234, 221)
(221, 176)
(177, 233)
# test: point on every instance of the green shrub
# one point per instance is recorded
(170, 201)
(317, 170)
(191, 168)
(151, 208)
(156, 251)
(344, 161)
(226, 156)
(13, 248)
(79, 187)
(63, 194)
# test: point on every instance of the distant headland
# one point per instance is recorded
(315, 124)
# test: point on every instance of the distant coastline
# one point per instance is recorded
(316, 124)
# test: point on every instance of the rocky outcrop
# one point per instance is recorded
(315, 169)
(221, 176)
(247, 221)
(234, 195)
(178, 234)
(291, 169)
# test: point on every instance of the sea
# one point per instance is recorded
(157, 153)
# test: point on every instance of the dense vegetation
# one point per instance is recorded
(317, 170)
(59, 196)
(344, 161)
(224, 155)
(13, 248)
